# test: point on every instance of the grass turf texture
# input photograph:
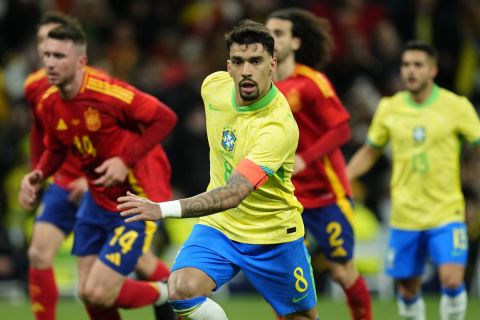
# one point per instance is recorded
(238, 307)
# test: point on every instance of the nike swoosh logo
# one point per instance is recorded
(213, 108)
(295, 299)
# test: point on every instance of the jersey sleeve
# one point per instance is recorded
(468, 122)
(154, 119)
(378, 134)
(273, 144)
(327, 107)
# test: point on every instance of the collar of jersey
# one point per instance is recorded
(263, 102)
(433, 96)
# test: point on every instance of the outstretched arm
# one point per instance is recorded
(213, 201)
(362, 161)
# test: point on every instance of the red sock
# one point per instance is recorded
(358, 299)
(136, 294)
(43, 293)
(161, 272)
(97, 313)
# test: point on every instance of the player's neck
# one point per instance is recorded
(422, 95)
(71, 89)
(285, 68)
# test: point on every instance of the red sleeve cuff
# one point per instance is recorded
(252, 172)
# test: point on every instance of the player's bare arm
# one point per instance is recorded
(213, 201)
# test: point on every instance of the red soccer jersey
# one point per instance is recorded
(317, 110)
(35, 86)
(109, 118)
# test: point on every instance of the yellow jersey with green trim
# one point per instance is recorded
(265, 133)
(426, 141)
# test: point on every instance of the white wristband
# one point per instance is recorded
(171, 209)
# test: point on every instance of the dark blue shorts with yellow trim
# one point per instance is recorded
(55, 208)
(281, 273)
(104, 233)
(332, 230)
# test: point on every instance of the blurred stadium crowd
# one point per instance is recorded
(167, 47)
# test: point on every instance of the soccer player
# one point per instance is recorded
(250, 219)
(94, 118)
(303, 44)
(426, 125)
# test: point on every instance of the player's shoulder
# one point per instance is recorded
(446, 95)
(314, 80)
(105, 86)
(216, 80)
(36, 79)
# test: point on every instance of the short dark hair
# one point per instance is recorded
(314, 32)
(68, 32)
(421, 46)
(249, 32)
(60, 18)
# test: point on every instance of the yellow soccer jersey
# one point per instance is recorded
(266, 134)
(426, 142)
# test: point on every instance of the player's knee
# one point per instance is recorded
(39, 257)
(451, 281)
(96, 296)
(181, 288)
(343, 275)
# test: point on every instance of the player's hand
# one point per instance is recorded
(299, 164)
(113, 171)
(139, 208)
(30, 186)
(77, 188)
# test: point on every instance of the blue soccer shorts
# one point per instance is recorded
(409, 250)
(331, 227)
(281, 273)
(104, 233)
(55, 208)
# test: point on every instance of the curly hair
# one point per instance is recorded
(314, 32)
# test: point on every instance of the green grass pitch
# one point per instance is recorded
(237, 307)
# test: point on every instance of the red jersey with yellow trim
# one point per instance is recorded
(316, 108)
(109, 118)
(35, 86)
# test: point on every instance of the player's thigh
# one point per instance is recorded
(146, 264)
(406, 253)
(282, 274)
(209, 251)
(332, 228)
(448, 247)
(448, 244)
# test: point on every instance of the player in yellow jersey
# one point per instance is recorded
(425, 125)
(250, 219)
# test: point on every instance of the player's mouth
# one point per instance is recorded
(248, 86)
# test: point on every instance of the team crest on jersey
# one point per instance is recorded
(228, 140)
(92, 119)
(419, 134)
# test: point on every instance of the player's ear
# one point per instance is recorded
(296, 43)
(229, 67)
(273, 65)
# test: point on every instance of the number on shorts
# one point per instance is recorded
(334, 229)
(460, 239)
(301, 283)
(125, 240)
